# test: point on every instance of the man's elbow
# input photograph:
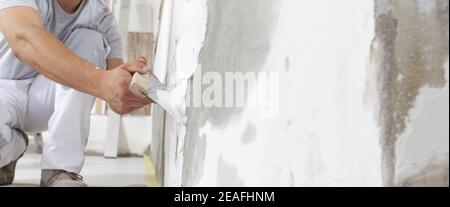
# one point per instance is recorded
(20, 42)
(18, 48)
(21, 27)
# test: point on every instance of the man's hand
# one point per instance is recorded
(115, 90)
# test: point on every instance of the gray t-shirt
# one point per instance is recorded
(92, 14)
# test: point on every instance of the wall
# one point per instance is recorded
(361, 95)
(411, 54)
(324, 122)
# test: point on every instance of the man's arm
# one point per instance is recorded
(113, 63)
(33, 45)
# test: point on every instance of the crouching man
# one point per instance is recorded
(56, 56)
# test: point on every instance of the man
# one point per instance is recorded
(52, 53)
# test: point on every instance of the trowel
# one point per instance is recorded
(149, 86)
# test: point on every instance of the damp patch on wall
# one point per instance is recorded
(410, 50)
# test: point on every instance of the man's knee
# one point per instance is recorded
(89, 45)
(10, 146)
(11, 111)
(3, 143)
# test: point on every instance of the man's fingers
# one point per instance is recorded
(138, 103)
(142, 60)
(133, 109)
(135, 68)
(135, 99)
(141, 101)
(141, 65)
(129, 67)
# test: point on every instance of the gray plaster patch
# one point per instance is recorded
(291, 179)
(195, 152)
(229, 176)
(287, 64)
(238, 39)
(249, 134)
(289, 122)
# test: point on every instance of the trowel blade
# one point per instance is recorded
(171, 102)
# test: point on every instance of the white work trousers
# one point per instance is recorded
(39, 104)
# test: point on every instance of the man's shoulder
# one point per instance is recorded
(103, 14)
(98, 6)
(43, 6)
(98, 10)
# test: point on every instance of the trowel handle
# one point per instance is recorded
(144, 85)
(139, 85)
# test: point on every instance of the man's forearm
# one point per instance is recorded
(46, 54)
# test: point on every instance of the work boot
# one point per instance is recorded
(7, 172)
(61, 178)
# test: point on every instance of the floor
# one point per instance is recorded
(97, 172)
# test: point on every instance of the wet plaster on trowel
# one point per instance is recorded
(410, 52)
